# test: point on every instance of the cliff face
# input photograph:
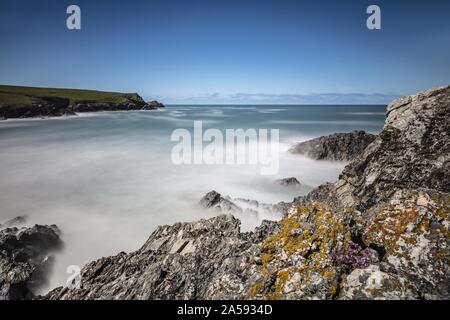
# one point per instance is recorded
(382, 231)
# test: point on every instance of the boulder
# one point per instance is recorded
(152, 105)
(337, 146)
(215, 201)
(25, 259)
(288, 182)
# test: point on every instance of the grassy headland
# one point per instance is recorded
(18, 102)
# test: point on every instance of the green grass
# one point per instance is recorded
(11, 96)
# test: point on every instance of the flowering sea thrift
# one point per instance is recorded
(353, 256)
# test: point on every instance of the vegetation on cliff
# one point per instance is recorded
(22, 102)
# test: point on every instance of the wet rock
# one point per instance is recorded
(337, 146)
(288, 182)
(25, 259)
(215, 201)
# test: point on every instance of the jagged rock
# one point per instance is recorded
(25, 259)
(288, 182)
(177, 262)
(227, 205)
(216, 201)
(337, 146)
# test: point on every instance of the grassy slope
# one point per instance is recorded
(11, 96)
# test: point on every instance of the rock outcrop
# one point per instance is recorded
(382, 231)
(213, 200)
(183, 261)
(152, 105)
(25, 259)
(17, 221)
(337, 146)
(288, 182)
(313, 253)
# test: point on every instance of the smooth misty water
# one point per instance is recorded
(107, 180)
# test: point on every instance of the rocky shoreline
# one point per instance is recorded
(58, 108)
(382, 231)
(25, 258)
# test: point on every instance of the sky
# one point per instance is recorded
(222, 52)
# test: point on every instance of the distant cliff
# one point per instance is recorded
(25, 102)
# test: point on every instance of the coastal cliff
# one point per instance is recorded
(26, 102)
(382, 231)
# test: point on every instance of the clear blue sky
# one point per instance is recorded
(229, 51)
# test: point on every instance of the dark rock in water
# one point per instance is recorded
(236, 206)
(337, 146)
(152, 105)
(216, 201)
(13, 222)
(287, 182)
(25, 259)
(210, 199)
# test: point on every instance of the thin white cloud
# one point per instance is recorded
(264, 98)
